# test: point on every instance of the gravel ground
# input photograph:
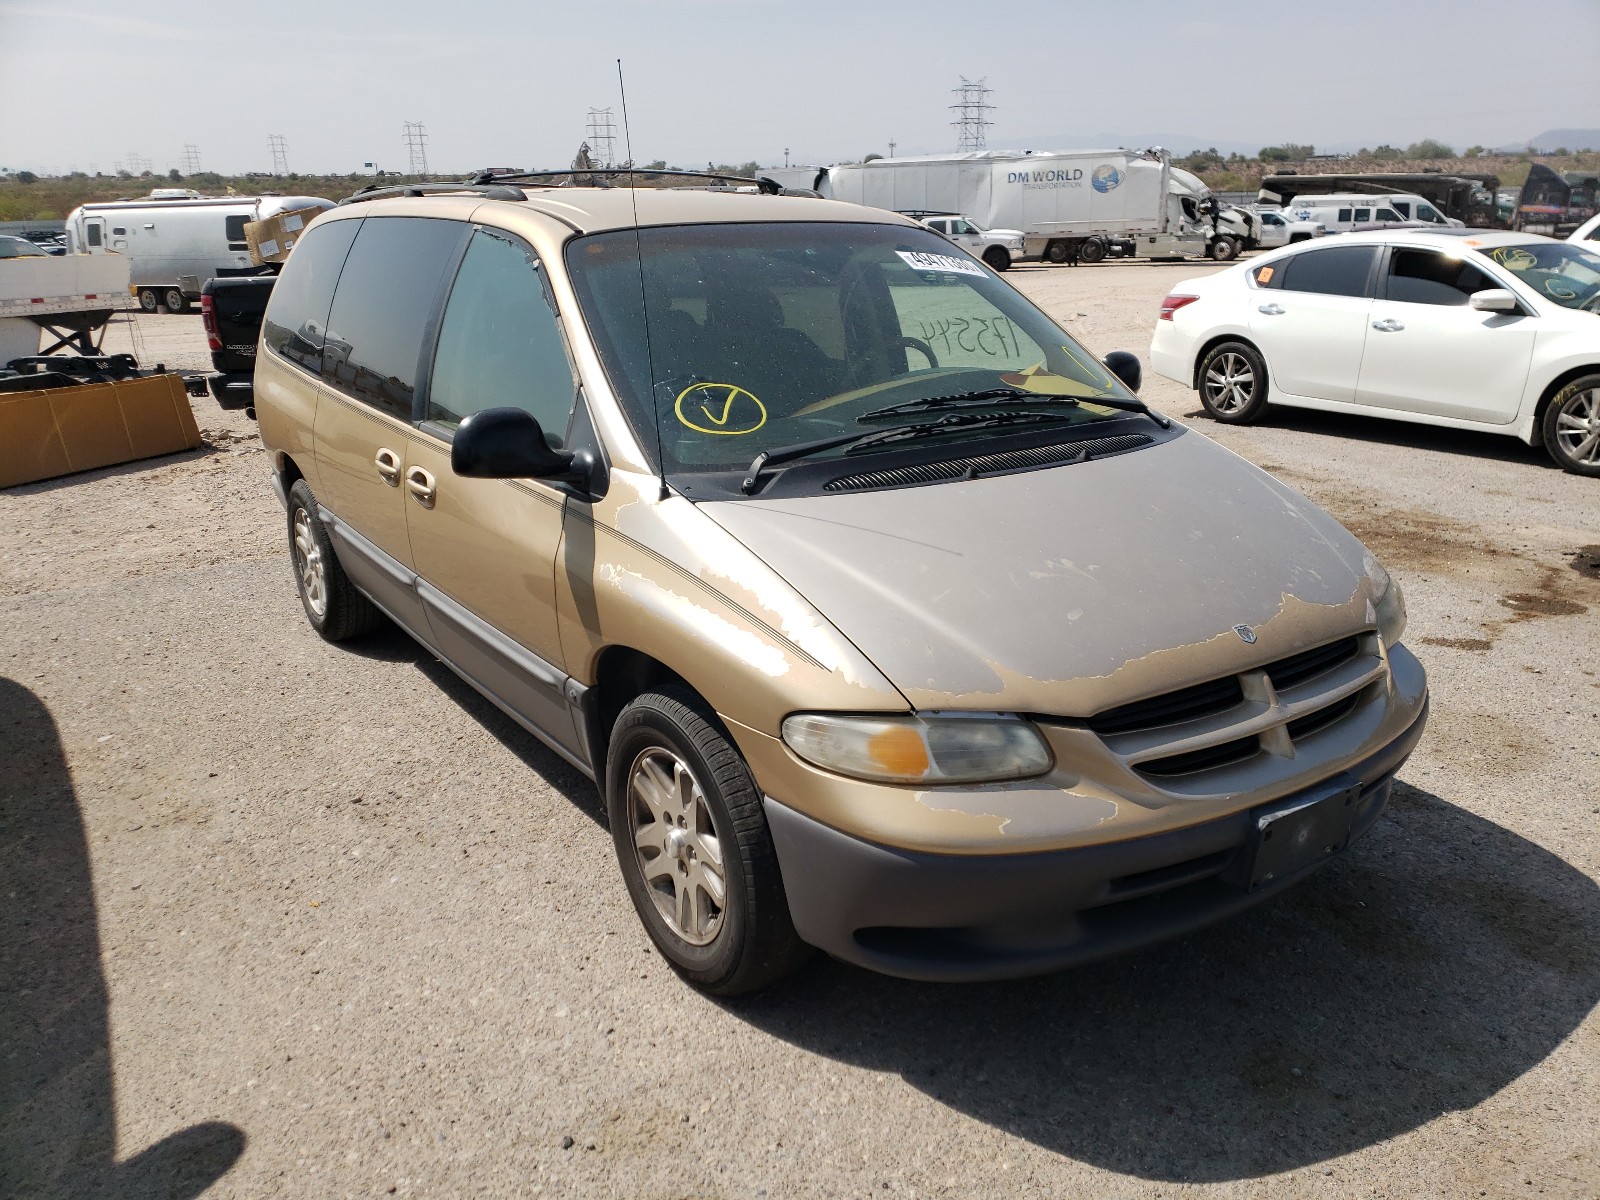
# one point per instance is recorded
(309, 921)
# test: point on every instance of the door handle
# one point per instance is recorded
(1272, 310)
(420, 484)
(388, 464)
(1388, 325)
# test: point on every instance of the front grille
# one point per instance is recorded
(1304, 726)
(1202, 700)
(1208, 759)
(985, 464)
(1308, 664)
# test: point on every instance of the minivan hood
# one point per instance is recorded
(1073, 589)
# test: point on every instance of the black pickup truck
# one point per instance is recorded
(231, 308)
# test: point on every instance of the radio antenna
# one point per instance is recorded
(644, 303)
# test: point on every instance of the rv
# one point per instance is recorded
(1071, 205)
(1343, 212)
(174, 246)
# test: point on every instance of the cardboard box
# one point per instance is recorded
(58, 431)
(271, 240)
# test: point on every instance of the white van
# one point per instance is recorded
(1343, 211)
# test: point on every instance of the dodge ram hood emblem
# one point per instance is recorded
(1246, 634)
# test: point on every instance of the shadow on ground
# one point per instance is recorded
(57, 1119)
(389, 643)
(1440, 960)
(1468, 443)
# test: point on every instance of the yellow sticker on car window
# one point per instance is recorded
(1264, 275)
(724, 409)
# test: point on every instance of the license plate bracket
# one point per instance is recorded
(1294, 834)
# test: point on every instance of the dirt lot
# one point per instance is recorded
(310, 921)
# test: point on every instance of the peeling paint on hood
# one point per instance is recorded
(1071, 589)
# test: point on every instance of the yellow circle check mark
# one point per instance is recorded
(723, 409)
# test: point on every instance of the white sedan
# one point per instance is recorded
(1465, 328)
(1589, 231)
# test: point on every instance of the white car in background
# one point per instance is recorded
(1589, 231)
(1284, 229)
(1469, 329)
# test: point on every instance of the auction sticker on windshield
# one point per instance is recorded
(919, 260)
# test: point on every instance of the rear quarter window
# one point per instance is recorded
(296, 320)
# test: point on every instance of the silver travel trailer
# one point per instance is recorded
(1072, 205)
(175, 245)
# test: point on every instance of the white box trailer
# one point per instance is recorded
(1070, 204)
(174, 245)
(68, 298)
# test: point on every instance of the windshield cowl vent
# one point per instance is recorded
(988, 464)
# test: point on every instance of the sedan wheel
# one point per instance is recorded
(1572, 426)
(1233, 383)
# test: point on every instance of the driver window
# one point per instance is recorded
(961, 227)
(1428, 277)
(499, 343)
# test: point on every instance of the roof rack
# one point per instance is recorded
(614, 177)
(377, 191)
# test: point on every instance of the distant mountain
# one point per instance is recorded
(1178, 143)
(1556, 139)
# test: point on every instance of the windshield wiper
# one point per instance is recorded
(879, 437)
(1007, 397)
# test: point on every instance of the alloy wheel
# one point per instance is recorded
(675, 840)
(308, 564)
(1578, 427)
(1230, 383)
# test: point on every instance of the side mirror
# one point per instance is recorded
(1125, 367)
(1494, 300)
(507, 443)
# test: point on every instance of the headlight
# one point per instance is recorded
(934, 750)
(1390, 604)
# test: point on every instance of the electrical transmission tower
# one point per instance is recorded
(417, 147)
(191, 159)
(971, 106)
(279, 145)
(602, 138)
(138, 164)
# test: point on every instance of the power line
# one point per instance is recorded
(279, 146)
(971, 125)
(416, 138)
(602, 138)
(191, 159)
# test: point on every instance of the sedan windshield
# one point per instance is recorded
(723, 341)
(1558, 271)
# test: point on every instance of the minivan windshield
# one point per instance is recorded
(767, 334)
(1558, 271)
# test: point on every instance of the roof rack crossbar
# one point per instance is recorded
(768, 187)
(488, 191)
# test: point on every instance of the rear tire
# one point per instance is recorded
(692, 841)
(1092, 251)
(174, 301)
(1058, 252)
(335, 607)
(1571, 426)
(148, 300)
(998, 257)
(1233, 383)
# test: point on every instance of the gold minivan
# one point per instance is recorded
(885, 617)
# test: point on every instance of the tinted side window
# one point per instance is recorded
(1341, 271)
(499, 345)
(92, 234)
(387, 293)
(235, 229)
(296, 320)
(1427, 277)
(1344, 214)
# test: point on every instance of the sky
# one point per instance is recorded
(87, 83)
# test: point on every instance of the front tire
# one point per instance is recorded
(1233, 383)
(1572, 426)
(335, 607)
(998, 257)
(692, 842)
(1223, 249)
(149, 300)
